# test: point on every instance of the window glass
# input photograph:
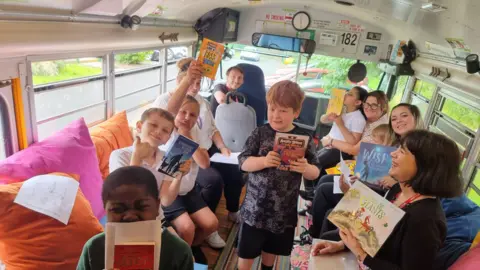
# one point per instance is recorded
(462, 114)
(47, 72)
(474, 196)
(421, 104)
(136, 60)
(425, 89)
(399, 90)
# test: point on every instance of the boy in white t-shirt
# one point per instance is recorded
(153, 129)
(347, 127)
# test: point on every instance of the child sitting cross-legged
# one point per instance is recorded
(269, 211)
(130, 194)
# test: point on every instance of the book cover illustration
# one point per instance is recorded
(180, 150)
(373, 162)
(290, 147)
(335, 105)
(369, 216)
(134, 256)
(210, 55)
(133, 245)
(336, 169)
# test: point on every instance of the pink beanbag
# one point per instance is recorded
(71, 151)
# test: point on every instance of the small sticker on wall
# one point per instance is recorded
(370, 50)
(328, 39)
(321, 24)
(374, 36)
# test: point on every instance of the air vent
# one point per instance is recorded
(432, 7)
(344, 2)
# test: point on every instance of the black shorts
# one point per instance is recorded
(190, 203)
(252, 241)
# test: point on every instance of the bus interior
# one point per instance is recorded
(62, 60)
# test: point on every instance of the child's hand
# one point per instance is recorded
(326, 141)
(299, 166)
(387, 182)
(142, 150)
(194, 71)
(225, 151)
(339, 121)
(271, 160)
(185, 167)
(343, 185)
(331, 117)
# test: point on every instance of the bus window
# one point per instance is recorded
(474, 190)
(67, 90)
(173, 55)
(399, 90)
(136, 60)
(461, 114)
(422, 94)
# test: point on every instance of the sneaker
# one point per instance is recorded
(215, 241)
(198, 255)
(233, 217)
(304, 238)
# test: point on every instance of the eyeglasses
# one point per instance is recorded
(370, 106)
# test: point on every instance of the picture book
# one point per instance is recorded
(290, 147)
(134, 255)
(336, 169)
(373, 162)
(180, 150)
(335, 105)
(133, 245)
(369, 216)
(210, 55)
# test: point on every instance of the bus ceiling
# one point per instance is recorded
(365, 29)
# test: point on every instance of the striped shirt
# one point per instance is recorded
(370, 126)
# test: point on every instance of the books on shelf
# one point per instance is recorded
(369, 216)
(290, 147)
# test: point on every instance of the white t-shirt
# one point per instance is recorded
(205, 126)
(188, 180)
(354, 122)
(121, 158)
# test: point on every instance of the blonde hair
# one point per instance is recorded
(383, 133)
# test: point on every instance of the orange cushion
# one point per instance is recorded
(110, 135)
(30, 240)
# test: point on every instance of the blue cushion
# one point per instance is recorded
(197, 266)
(463, 218)
(254, 88)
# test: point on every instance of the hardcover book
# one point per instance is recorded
(290, 147)
(373, 162)
(369, 216)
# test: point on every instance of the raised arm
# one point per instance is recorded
(352, 149)
(194, 72)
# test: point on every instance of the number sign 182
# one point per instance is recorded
(349, 39)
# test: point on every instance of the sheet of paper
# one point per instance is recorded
(141, 231)
(345, 170)
(336, 185)
(219, 158)
(51, 195)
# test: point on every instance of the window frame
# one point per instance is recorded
(7, 113)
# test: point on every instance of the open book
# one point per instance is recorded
(290, 147)
(179, 151)
(134, 245)
(370, 216)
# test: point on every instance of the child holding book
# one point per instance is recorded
(269, 212)
(130, 194)
(153, 129)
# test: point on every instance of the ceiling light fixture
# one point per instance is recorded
(432, 7)
(344, 2)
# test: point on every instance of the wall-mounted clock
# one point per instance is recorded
(301, 21)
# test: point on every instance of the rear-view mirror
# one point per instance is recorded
(283, 43)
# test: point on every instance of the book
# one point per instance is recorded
(180, 150)
(476, 241)
(290, 147)
(335, 104)
(345, 260)
(133, 245)
(209, 57)
(134, 255)
(336, 169)
(369, 216)
(373, 162)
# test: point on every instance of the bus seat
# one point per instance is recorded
(235, 121)
(254, 89)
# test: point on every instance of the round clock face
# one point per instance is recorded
(301, 21)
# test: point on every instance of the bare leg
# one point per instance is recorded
(245, 264)
(268, 259)
(206, 223)
(185, 228)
